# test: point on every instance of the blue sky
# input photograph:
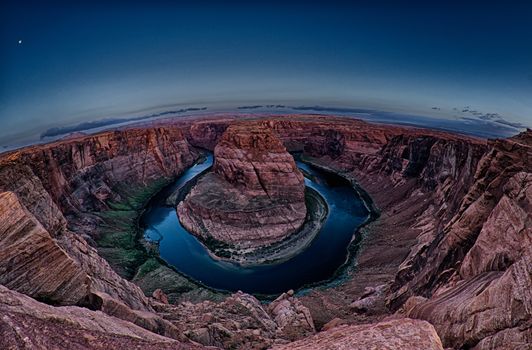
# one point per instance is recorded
(81, 61)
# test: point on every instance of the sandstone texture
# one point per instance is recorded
(28, 324)
(399, 334)
(56, 277)
(255, 195)
(60, 268)
(241, 321)
(477, 272)
(49, 192)
(453, 234)
(83, 174)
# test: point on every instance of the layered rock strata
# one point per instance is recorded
(52, 190)
(473, 280)
(56, 278)
(28, 324)
(255, 195)
(69, 183)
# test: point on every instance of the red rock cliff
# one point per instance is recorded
(47, 191)
(473, 280)
(251, 157)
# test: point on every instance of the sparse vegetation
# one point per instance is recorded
(149, 265)
(119, 232)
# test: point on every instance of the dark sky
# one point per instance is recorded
(81, 61)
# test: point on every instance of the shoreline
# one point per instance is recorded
(284, 250)
(354, 245)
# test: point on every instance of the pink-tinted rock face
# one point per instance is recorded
(255, 194)
(48, 193)
(460, 208)
(401, 334)
(241, 321)
(252, 158)
(28, 324)
(83, 174)
(475, 275)
(53, 275)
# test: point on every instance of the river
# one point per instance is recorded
(318, 262)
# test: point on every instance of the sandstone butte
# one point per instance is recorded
(446, 265)
(255, 194)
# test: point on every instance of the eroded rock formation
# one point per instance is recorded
(452, 244)
(84, 175)
(241, 321)
(57, 278)
(454, 233)
(52, 190)
(254, 196)
(28, 324)
(477, 271)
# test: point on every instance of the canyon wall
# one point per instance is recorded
(476, 273)
(454, 234)
(468, 267)
(381, 157)
(49, 192)
(452, 244)
(86, 173)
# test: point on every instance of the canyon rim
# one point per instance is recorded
(446, 264)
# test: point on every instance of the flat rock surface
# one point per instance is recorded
(401, 334)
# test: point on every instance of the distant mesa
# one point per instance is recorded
(251, 107)
(332, 109)
(491, 117)
(316, 108)
(74, 135)
(57, 131)
(262, 106)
